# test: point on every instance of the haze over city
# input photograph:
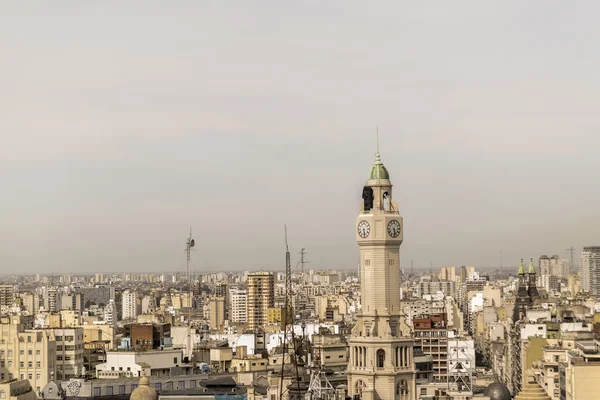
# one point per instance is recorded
(125, 124)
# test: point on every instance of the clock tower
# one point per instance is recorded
(381, 365)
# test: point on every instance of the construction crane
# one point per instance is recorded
(288, 322)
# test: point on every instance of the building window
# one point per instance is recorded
(174, 360)
(122, 389)
(29, 338)
(109, 390)
(38, 364)
(29, 376)
(22, 352)
(37, 352)
(29, 352)
(10, 353)
(97, 391)
(181, 384)
(380, 358)
(38, 376)
(22, 364)
(158, 386)
(30, 364)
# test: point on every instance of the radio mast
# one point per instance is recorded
(189, 244)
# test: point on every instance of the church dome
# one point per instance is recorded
(378, 170)
(497, 391)
(144, 391)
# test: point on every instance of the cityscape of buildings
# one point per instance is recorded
(380, 332)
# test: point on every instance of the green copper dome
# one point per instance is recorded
(522, 268)
(378, 170)
(531, 267)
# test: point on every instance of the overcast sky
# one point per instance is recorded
(123, 123)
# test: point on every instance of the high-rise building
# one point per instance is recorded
(221, 291)
(237, 309)
(110, 313)
(260, 291)
(431, 334)
(553, 266)
(51, 300)
(443, 273)
(129, 301)
(69, 353)
(464, 274)
(72, 301)
(589, 269)
(452, 273)
(6, 295)
(381, 359)
(217, 313)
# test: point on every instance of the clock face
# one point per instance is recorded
(394, 228)
(363, 229)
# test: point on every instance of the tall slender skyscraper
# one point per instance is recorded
(260, 289)
(381, 360)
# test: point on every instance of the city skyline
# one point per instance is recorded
(117, 141)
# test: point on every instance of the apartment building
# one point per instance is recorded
(26, 354)
(260, 291)
(69, 352)
(237, 311)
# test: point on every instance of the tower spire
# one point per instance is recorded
(522, 268)
(531, 267)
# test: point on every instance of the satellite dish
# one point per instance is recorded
(192, 243)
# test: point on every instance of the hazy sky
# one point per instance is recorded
(123, 123)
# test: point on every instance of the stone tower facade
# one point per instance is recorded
(381, 363)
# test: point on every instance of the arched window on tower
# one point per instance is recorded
(380, 358)
(386, 201)
(367, 196)
(358, 387)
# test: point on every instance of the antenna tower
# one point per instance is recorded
(302, 260)
(189, 244)
(288, 322)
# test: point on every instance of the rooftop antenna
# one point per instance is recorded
(189, 245)
(377, 140)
